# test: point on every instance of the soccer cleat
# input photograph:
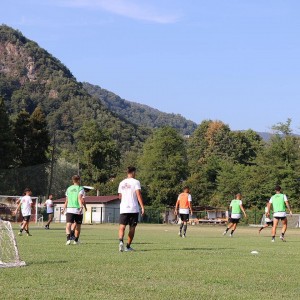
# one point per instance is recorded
(231, 235)
(121, 247)
(224, 233)
(20, 233)
(68, 242)
(28, 234)
(129, 249)
(179, 233)
(282, 238)
(273, 240)
(184, 236)
(76, 242)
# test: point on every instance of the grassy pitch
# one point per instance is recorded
(205, 265)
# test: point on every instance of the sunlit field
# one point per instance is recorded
(205, 265)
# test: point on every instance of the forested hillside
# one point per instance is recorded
(30, 76)
(140, 114)
(33, 82)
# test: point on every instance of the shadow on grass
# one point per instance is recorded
(43, 229)
(187, 249)
(116, 242)
(47, 262)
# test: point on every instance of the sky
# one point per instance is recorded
(237, 61)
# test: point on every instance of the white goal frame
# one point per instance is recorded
(9, 257)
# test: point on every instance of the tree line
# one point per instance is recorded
(214, 161)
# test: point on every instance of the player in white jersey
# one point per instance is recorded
(130, 195)
(25, 204)
(50, 209)
(268, 220)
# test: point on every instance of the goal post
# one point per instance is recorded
(9, 253)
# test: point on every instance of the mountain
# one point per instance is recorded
(138, 113)
(30, 76)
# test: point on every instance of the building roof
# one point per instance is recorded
(91, 199)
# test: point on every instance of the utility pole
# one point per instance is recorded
(52, 164)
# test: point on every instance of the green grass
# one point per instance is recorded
(205, 265)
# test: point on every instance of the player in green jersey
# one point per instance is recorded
(236, 210)
(73, 207)
(279, 203)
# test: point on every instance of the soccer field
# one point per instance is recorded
(205, 265)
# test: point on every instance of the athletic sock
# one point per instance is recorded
(21, 230)
(127, 246)
(282, 234)
(76, 239)
(121, 240)
(72, 233)
(68, 237)
(261, 228)
(227, 229)
(273, 237)
(232, 231)
(184, 229)
(181, 225)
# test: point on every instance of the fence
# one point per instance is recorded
(42, 178)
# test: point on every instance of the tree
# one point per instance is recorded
(7, 145)
(279, 163)
(245, 146)
(32, 138)
(283, 128)
(40, 139)
(98, 153)
(22, 129)
(209, 145)
(163, 166)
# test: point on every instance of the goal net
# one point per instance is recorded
(293, 221)
(9, 254)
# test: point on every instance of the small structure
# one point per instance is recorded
(100, 209)
(201, 215)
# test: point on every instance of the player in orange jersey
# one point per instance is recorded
(185, 207)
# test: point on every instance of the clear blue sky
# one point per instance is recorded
(233, 60)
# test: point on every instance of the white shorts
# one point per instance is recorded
(281, 214)
(235, 216)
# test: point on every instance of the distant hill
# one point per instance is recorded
(30, 76)
(266, 136)
(138, 113)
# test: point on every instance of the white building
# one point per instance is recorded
(100, 209)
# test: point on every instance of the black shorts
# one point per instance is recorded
(130, 219)
(184, 217)
(280, 218)
(26, 218)
(269, 223)
(71, 218)
(234, 221)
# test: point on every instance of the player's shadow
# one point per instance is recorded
(108, 241)
(47, 262)
(187, 249)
